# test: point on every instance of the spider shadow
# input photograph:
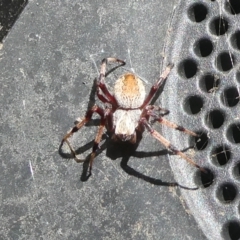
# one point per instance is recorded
(127, 150)
(123, 150)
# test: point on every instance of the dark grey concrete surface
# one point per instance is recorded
(46, 79)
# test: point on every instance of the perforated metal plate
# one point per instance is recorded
(203, 95)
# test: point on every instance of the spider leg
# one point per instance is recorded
(107, 117)
(102, 97)
(87, 118)
(176, 127)
(101, 83)
(96, 143)
(157, 85)
(156, 113)
(168, 145)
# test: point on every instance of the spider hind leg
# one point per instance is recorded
(168, 145)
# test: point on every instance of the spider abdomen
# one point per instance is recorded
(129, 91)
(125, 123)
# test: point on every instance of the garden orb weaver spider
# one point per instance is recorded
(126, 111)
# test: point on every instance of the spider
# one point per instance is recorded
(127, 111)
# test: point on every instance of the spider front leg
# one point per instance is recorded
(157, 85)
(168, 145)
(87, 118)
(107, 96)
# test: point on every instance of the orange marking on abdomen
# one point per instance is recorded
(129, 91)
(130, 85)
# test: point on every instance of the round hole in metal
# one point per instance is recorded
(227, 192)
(238, 77)
(209, 83)
(187, 68)
(200, 142)
(193, 104)
(236, 171)
(233, 133)
(233, 6)
(219, 26)
(203, 47)
(204, 179)
(230, 97)
(231, 230)
(235, 40)
(214, 119)
(197, 12)
(225, 61)
(221, 155)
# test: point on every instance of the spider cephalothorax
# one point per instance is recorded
(126, 111)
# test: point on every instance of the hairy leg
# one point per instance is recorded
(101, 80)
(157, 85)
(168, 145)
(87, 118)
(96, 143)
